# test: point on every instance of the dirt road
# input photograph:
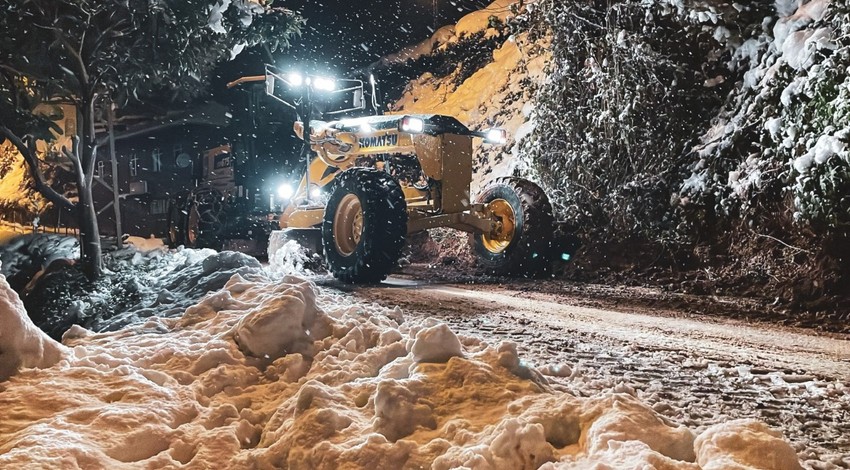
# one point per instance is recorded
(696, 369)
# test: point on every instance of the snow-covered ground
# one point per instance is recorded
(696, 370)
(272, 371)
(217, 362)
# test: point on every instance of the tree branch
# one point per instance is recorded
(108, 34)
(84, 74)
(75, 159)
(35, 170)
(91, 165)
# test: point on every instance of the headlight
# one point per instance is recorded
(295, 79)
(412, 125)
(496, 136)
(324, 84)
(285, 191)
(318, 195)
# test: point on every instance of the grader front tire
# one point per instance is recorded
(364, 226)
(521, 244)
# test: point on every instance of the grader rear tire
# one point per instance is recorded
(176, 235)
(521, 246)
(205, 220)
(364, 226)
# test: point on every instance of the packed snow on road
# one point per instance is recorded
(271, 370)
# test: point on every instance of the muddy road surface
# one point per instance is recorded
(695, 368)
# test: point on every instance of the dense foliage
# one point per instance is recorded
(705, 136)
(633, 86)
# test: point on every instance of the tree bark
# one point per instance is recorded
(90, 249)
(116, 199)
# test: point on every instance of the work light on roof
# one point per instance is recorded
(324, 84)
(285, 191)
(295, 79)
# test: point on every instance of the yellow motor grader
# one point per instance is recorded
(372, 181)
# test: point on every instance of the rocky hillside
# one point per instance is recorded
(485, 71)
(696, 144)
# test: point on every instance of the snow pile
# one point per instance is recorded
(436, 344)
(483, 19)
(756, 446)
(22, 344)
(285, 324)
(276, 373)
(289, 257)
(165, 284)
(442, 37)
(142, 280)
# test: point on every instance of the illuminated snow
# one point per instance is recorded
(495, 86)
(22, 344)
(275, 372)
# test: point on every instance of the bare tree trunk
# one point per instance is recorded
(116, 199)
(90, 250)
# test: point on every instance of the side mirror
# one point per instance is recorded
(270, 84)
(359, 102)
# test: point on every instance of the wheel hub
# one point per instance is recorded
(500, 238)
(348, 225)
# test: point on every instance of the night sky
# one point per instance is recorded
(349, 34)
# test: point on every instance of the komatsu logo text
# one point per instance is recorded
(388, 140)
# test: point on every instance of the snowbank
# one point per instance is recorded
(482, 19)
(476, 22)
(496, 95)
(22, 344)
(277, 373)
(283, 325)
(754, 445)
(142, 280)
(165, 283)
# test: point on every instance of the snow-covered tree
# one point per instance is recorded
(90, 52)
